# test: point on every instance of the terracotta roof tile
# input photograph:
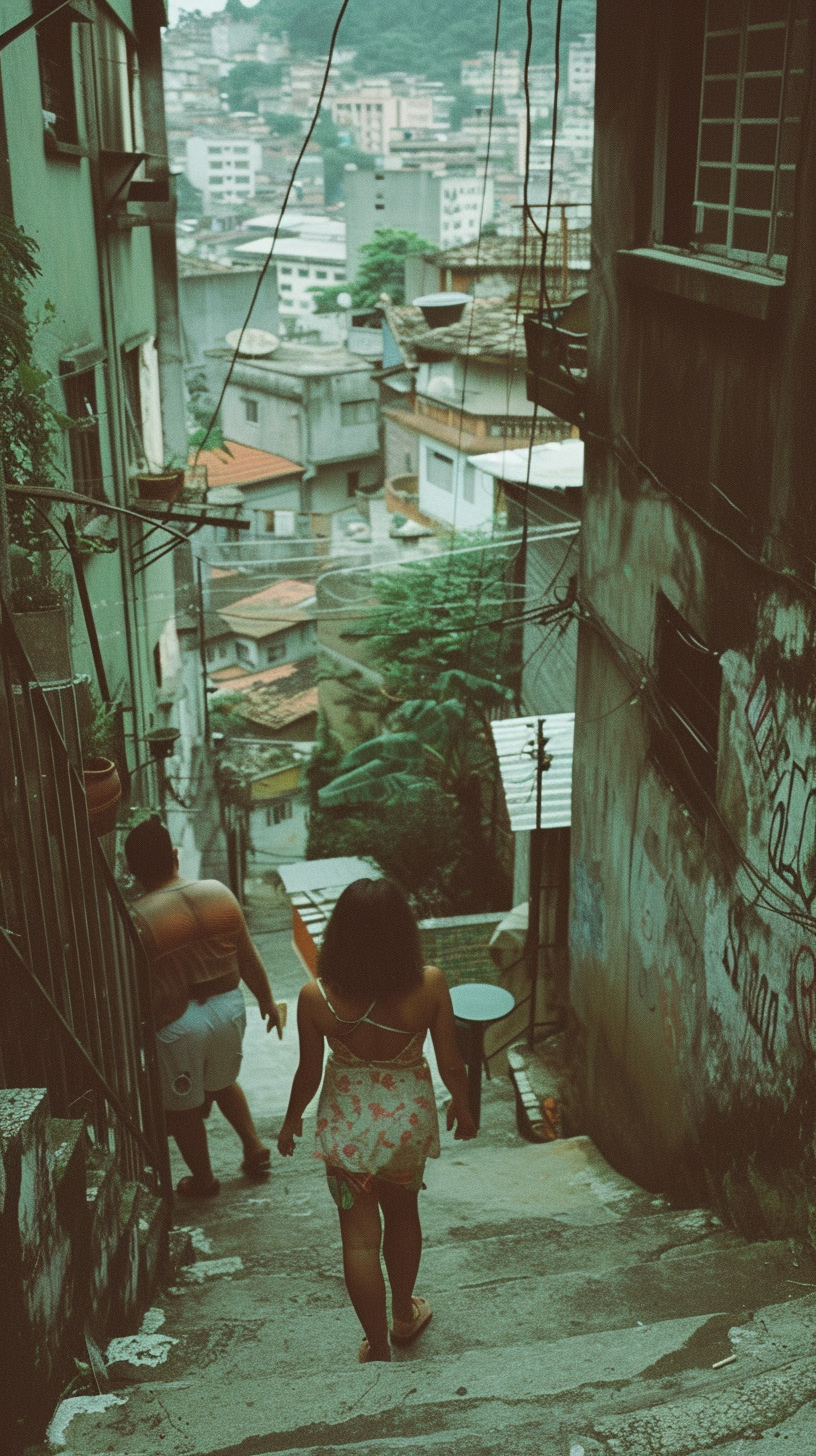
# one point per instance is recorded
(244, 465)
(271, 610)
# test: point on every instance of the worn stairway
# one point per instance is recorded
(574, 1313)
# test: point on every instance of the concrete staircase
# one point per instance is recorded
(575, 1315)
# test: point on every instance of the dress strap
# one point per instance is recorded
(345, 1020)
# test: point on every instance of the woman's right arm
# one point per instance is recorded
(309, 1072)
(452, 1069)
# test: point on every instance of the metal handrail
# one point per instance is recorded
(69, 937)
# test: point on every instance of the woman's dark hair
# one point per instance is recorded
(149, 852)
(371, 945)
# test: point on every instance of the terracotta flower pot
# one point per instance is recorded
(103, 791)
(165, 485)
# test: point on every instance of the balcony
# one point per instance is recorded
(557, 359)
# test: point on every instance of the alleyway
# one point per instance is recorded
(574, 1313)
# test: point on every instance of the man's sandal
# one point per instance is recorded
(259, 1164)
(404, 1332)
(189, 1187)
(364, 1354)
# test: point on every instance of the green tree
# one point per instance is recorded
(247, 77)
(326, 298)
(383, 267)
(411, 797)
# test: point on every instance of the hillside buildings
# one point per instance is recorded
(446, 208)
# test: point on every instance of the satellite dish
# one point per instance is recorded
(344, 300)
(255, 344)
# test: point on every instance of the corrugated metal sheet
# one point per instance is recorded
(516, 740)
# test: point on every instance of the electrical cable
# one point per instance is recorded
(256, 291)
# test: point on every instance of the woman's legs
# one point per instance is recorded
(360, 1231)
(402, 1245)
(233, 1104)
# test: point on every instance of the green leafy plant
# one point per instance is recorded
(383, 267)
(412, 796)
(99, 734)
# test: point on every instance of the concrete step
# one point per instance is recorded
(632, 1391)
(571, 1308)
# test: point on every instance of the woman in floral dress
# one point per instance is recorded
(374, 1003)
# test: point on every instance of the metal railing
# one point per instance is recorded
(74, 989)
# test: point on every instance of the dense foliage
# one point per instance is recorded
(383, 267)
(422, 37)
(417, 797)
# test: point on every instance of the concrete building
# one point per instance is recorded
(83, 171)
(214, 298)
(445, 208)
(223, 168)
(493, 267)
(693, 832)
(271, 626)
(372, 112)
(269, 486)
(303, 264)
(317, 406)
(581, 70)
(449, 394)
(478, 73)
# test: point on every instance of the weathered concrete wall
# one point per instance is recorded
(693, 945)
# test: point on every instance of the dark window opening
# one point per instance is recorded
(83, 441)
(131, 372)
(55, 56)
(157, 664)
(685, 728)
(352, 483)
(251, 410)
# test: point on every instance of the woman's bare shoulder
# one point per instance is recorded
(433, 981)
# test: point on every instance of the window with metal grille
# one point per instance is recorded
(751, 105)
(83, 441)
(685, 728)
(250, 410)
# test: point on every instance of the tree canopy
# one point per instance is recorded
(416, 797)
(422, 37)
(383, 267)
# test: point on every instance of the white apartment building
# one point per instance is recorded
(371, 113)
(223, 168)
(478, 73)
(581, 70)
(444, 208)
(303, 264)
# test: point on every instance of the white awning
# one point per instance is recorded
(516, 742)
(558, 465)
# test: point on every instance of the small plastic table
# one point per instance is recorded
(478, 1004)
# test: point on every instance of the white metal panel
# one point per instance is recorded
(516, 748)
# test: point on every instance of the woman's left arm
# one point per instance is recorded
(309, 1072)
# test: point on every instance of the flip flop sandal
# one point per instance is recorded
(364, 1352)
(189, 1188)
(259, 1164)
(404, 1332)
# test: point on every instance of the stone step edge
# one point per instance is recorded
(538, 1115)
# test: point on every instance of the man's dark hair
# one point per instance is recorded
(371, 945)
(149, 852)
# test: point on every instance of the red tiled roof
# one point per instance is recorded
(237, 679)
(272, 709)
(244, 465)
(271, 610)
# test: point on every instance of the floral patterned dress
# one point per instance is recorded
(375, 1119)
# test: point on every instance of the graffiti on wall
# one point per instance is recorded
(760, 1002)
(803, 977)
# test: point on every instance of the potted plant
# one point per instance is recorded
(38, 607)
(103, 786)
(164, 484)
